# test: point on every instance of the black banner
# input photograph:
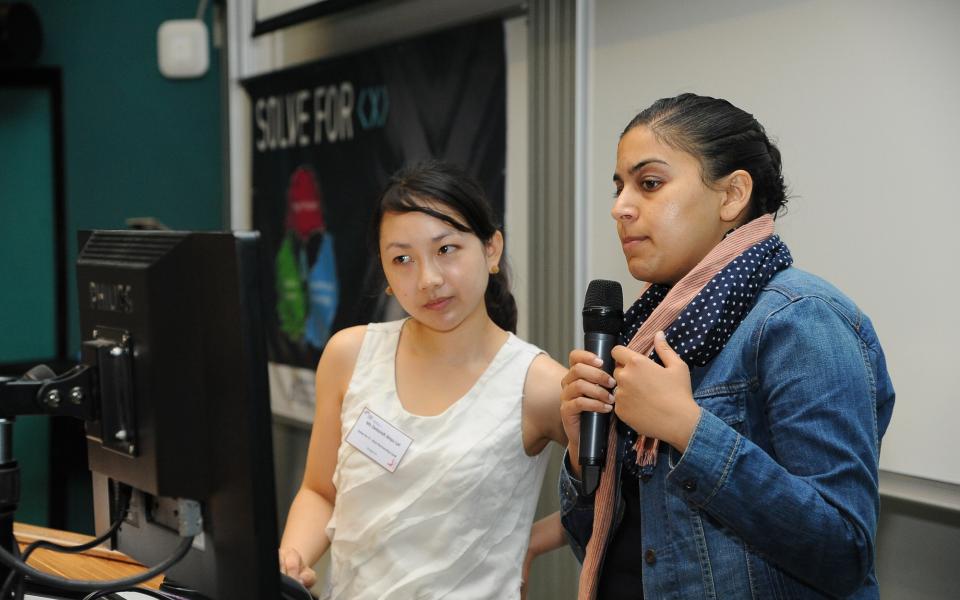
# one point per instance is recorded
(326, 137)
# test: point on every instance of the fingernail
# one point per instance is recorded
(661, 336)
(610, 397)
(597, 361)
(607, 407)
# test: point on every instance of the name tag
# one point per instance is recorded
(378, 440)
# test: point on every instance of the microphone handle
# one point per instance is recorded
(594, 426)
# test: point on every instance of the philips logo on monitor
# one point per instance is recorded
(111, 297)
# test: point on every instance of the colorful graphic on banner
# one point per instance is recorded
(307, 287)
(326, 137)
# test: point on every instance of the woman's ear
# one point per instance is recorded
(737, 189)
(494, 249)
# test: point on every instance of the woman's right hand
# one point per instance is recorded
(291, 563)
(584, 388)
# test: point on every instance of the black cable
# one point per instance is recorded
(12, 576)
(15, 576)
(140, 590)
(123, 502)
(174, 589)
(71, 549)
(86, 585)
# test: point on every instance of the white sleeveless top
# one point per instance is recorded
(453, 520)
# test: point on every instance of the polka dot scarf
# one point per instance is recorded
(703, 327)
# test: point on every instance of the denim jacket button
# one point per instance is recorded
(650, 556)
(690, 485)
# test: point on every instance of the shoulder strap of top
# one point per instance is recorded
(374, 368)
(513, 362)
(525, 352)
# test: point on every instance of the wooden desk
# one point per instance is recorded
(96, 563)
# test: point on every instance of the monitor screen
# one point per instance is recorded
(173, 322)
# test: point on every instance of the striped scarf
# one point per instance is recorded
(698, 315)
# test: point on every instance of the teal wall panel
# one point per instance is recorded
(26, 225)
(31, 442)
(135, 144)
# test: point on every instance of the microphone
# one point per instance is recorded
(602, 316)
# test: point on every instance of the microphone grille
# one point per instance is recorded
(606, 298)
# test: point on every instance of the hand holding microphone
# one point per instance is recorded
(586, 402)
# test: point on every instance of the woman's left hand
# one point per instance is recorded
(655, 401)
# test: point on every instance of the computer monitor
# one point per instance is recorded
(173, 322)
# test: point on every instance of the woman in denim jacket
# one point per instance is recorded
(768, 389)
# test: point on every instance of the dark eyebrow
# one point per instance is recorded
(644, 163)
(641, 165)
(434, 239)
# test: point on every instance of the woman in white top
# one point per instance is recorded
(450, 514)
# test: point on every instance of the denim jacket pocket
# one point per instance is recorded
(727, 401)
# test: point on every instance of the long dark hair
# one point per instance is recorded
(446, 184)
(724, 139)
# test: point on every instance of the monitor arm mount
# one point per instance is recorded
(99, 390)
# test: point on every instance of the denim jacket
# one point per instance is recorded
(776, 495)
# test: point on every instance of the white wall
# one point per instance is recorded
(863, 97)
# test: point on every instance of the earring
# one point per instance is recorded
(388, 291)
(494, 269)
